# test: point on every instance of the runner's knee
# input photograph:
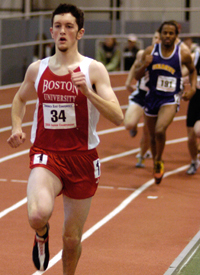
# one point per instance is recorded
(38, 216)
(71, 242)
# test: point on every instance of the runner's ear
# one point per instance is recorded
(80, 33)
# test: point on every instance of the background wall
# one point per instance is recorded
(141, 17)
(128, 4)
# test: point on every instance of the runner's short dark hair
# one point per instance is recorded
(68, 8)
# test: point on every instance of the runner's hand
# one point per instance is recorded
(187, 94)
(131, 88)
(16, 139)
(78, 79)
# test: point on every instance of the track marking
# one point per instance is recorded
(9, 128)
(106, 187)
(12, 156)
(152, 197)
(172, 141)
(13, 207)
(7, 106)
(22, 181)
(120, 155)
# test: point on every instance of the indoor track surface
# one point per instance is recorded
(134, 227)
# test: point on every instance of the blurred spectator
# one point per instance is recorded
(46, 48)
(108, 52)
(191, 45)
(130, 52)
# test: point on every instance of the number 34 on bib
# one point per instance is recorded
(59, 116)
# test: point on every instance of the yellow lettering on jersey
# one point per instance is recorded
(163, 67)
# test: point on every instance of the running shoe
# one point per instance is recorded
(133, 132)
(158, 171)
(40, 253)
(148, 154)
(193, 168)
(140, 162)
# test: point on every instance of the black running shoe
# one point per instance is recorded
(133, 132)
(40, 253)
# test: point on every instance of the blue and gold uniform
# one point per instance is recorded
(165, 80)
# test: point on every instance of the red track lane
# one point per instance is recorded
(143, 239)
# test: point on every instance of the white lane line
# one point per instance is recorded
(13, 207)
(112, 130)
(152, 197)
(22, 181)
(112, 214)
(178, 118)
(127, 153)
(184, 257)
(7, 106)
(9, 128)
(106, 187)
(178, 140)
(14, 155)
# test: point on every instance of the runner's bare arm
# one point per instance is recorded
(131, 74)
(145, 61)
(104, 99)
(19, 106)
(188, 62)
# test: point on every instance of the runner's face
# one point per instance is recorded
(168, 35)
(65, 31)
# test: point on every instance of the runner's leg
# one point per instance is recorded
(43, 187)
(165, 117)
(76, 212)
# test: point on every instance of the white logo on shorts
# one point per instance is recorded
(97, 168)
(40, 159)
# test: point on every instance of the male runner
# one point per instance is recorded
(163, 63)
(72, 90)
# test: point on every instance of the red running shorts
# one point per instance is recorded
(78, 171)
